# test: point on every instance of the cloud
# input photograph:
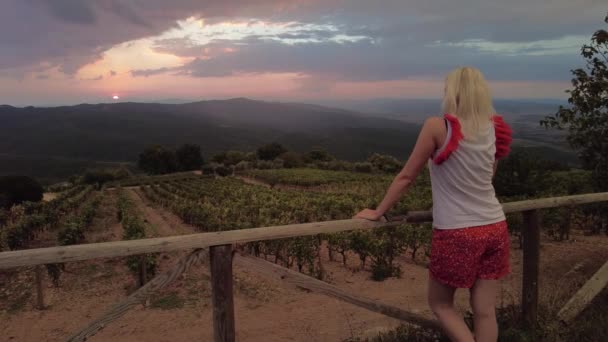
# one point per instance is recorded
(151, 72)
(366, 60)
(71, 33)
(322, 43)
(72, 11)
(98, 78)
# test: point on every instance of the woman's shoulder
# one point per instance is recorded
(435, 123)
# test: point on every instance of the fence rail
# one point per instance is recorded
(30, 257)
(221, 259)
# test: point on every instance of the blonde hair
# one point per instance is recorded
(467, 96)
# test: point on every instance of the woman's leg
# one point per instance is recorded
(441, 301)
(483, 302)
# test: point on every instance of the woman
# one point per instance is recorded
(470, 243)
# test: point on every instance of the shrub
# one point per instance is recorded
(264, 165)
(208, 169)
(291, 160)
(385, 163)
(189, 157)
(242, 165)
(318, 155)
(158, 160)
(270, 151)
(278, 163)
(365, 167)
(223, 171)
(340, 165)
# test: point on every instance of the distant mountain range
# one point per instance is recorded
(119, 131)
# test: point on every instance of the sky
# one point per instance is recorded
(55, 52)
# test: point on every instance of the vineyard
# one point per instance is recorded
(391, 258)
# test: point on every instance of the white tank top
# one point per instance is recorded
(461, 177)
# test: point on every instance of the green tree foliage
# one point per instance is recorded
(318, 155)
(292, 159)
(189, 157)
(523, 174)
(18, 189)
(270, 151)
(157, 160)
(385, 163)
(223, 171)
(587, 116)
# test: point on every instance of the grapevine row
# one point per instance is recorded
(227, 203)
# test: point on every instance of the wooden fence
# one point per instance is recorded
(221, 258)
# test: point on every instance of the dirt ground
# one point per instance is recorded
(265, 310)
(49, 196)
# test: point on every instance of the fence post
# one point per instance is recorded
(143, 267)
(39, 288)
(221, 293)
(531, 246)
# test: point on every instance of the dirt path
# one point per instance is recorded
(162, 222)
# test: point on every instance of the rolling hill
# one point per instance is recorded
(118, 132)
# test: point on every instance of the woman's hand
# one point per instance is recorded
(369, 214)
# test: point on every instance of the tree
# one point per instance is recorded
(520, 174)
(18, 189)
(318, 155)
(157, 160)
(586, 118)
(291, 159)
(189, 157)
(385, 163)
(234, 157)
(270, 151)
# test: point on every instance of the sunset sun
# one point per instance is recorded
(116, 97)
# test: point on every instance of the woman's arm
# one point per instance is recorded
(429, 139)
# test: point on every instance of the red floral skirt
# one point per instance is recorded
(461, 256)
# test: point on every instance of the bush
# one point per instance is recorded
(385, 163)
(278, 163)
(158, 160)
(19, 189)
(270, 151)
(318, 155)
(364, 167)
(189, 157)
(223, 171)
(242, 165)
(291, 160)
(264, 165)
(234, 157)
(340, 165)
(208, 169)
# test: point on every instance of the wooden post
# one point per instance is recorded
(143, 268)
(221, 293)
(39, 288)
(531, 237)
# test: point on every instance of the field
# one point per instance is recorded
(386, 264)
